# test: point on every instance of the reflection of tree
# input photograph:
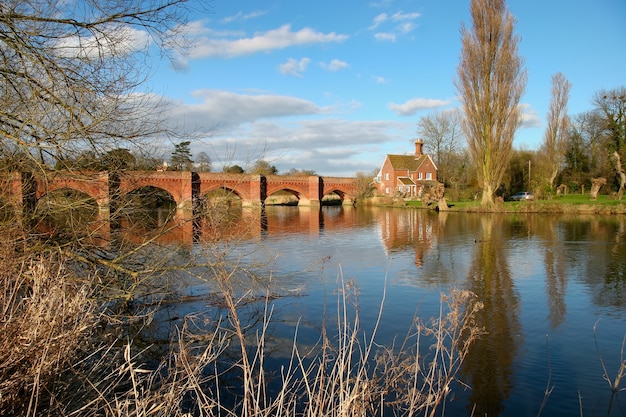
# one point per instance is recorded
(556, 285)
(556, 261)
(489, 364)
(606, 269)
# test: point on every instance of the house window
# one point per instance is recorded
(429, 175)
(419, 175)
(387, 190)
(386, 176)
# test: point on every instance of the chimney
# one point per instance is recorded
(419, 148)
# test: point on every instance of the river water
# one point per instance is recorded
(553, 288)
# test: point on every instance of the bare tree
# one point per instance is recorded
(555, 136)
(442, 130)
(612, 106)
(203, 162)
(491, 80)
(70, 72)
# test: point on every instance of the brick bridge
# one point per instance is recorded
(183, 187)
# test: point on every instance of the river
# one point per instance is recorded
(553, 289)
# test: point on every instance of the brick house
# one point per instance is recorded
(407, 175)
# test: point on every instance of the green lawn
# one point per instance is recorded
(564, 204)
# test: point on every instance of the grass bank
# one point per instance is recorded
(569, 204)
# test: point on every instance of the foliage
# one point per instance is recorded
(262, 167)
(181, 157)
(365, 186)
(491, 80)
(293, 172)
(233, 169)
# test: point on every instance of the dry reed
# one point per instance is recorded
(60, 355)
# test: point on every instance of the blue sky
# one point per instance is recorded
(334, 86)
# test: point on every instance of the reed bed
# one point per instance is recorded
(63, 353)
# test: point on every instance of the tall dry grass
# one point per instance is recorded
(63, 353)
(47, 319)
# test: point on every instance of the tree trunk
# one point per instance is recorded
(620, 172)
(487, 198)
(597, 183)
(553, 175)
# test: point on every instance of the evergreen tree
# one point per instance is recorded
(181, 157)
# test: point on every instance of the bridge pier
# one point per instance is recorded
(316, 189)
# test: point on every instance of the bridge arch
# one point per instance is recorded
(216, 188)
(248, 187)
(306, 189)
(68, 210)
(344, 187)
(284, 196)
(95, 185)
(177, 184)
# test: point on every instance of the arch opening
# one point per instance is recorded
(333, 198)
(220, 213)
(219, 198)
(66, 211)
(146, 207)
(284, 197)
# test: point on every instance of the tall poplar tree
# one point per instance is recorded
(554, 139)
(491, 80)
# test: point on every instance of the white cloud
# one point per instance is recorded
(412, 106)
(294, 67)
(406, 27)
(378, 20)
(118, 41)
(240, 16)
(404, 24)
(280, 38)
(530, 118)
(385, 36)
(342, 147)
(221, 111)
(400, 16)
(380, 80)
(237, 128)
(335, 65)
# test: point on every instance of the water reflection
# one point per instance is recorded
(489, 365)
(535, 274)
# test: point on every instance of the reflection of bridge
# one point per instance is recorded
(184, 187)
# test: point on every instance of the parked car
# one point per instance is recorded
(523, 195)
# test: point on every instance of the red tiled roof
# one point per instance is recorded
(406, 161)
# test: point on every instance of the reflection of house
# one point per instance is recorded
(406, 175)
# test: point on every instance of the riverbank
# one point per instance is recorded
(570, 204)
